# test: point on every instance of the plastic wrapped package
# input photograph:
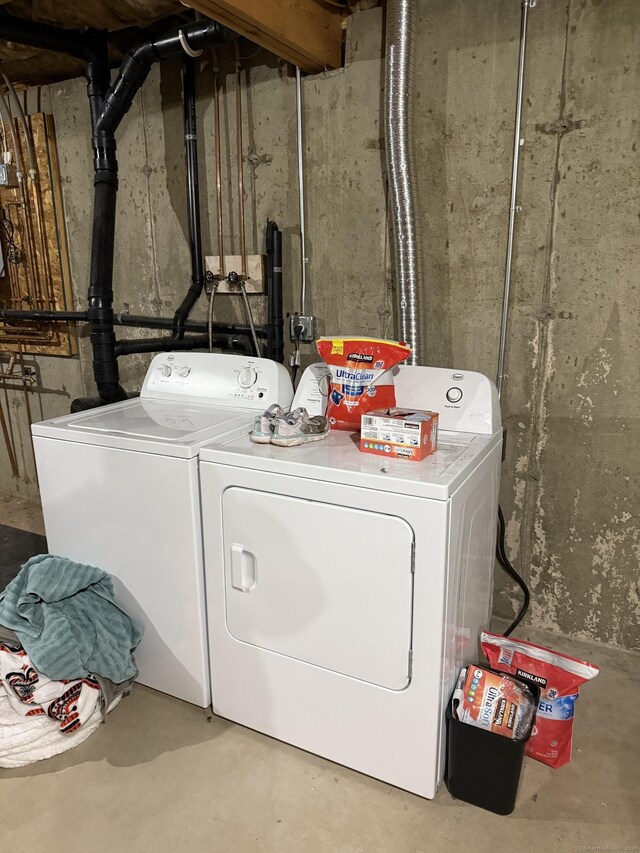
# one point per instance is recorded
(361, 378)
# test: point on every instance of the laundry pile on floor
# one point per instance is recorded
(65, 657)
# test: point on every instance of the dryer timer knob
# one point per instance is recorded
(184, 372)
(247, 377)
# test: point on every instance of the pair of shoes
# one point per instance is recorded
(275, 427)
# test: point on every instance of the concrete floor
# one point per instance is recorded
(165, 776)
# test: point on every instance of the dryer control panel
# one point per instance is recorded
(242, 381)
(466, 401)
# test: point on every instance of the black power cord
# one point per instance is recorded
(297, 331)
(501, 554)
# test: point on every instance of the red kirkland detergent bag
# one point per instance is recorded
(361, 378)
(558, 677)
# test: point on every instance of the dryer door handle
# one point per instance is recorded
(243, 569)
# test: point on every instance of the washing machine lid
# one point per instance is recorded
(151, 426)
(338, 459)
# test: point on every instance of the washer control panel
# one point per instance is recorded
(218, 379)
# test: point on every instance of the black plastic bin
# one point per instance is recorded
(484, 768)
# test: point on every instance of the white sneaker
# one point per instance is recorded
(264, 424)
(298, 428)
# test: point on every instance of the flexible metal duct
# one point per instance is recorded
(399, 143)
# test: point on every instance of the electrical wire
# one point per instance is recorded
(8, 121)
(501, 552)
(14, 252)
(19, 113)
(3, 141)
(247, 307)
(294, 362)
(503, 559)
(301, 196)
(212, 296)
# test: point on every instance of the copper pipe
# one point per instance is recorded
(31, 272)
(7, 441)
(21, 121)
(39, 211)
(33, 265)
(243, 252)
(25, 386)
(9, 370)
(18, 337)
(14, 285)
(34, 291)
(44, 244)
(216, 105)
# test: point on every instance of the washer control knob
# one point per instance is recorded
(184, 372)
(454, 395)
(247, 377)
(166, 370)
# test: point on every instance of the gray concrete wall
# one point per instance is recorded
(570, 480)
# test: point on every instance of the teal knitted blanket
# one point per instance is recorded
(67, 619)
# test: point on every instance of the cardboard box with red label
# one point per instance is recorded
(400, 433)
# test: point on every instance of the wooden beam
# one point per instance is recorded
(307, 33)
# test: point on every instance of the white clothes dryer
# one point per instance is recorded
(346, 590)
(119, 488)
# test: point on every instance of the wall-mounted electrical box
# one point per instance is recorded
(302, 328)
(8, 175)
(255, 281)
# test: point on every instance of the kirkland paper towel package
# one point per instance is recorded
(558, 677)
(361, 377)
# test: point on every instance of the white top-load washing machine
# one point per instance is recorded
(119, 488)
(345, 590)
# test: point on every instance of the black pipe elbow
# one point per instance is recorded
(197, 34)
(116, 102)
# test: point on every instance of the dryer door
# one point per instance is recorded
(328, 585)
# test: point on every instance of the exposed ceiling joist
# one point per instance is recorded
(307, 33)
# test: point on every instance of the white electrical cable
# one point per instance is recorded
(184, 44)
(303, 229)
(212, 296)
(19, 113)
(243, 290)
(8, 120)
(3, 141)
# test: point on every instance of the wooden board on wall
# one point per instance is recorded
(41, 279)
(307, 33)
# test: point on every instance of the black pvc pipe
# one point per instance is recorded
(139, 322)
(97, 75)
(233, 342)
(275, 320)
(137, 64)
(133, 321)
(89, 45)
(73, 42)
(193, 196)
(7, 314)
(133, 71)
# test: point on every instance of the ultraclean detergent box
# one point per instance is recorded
(400, 433)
